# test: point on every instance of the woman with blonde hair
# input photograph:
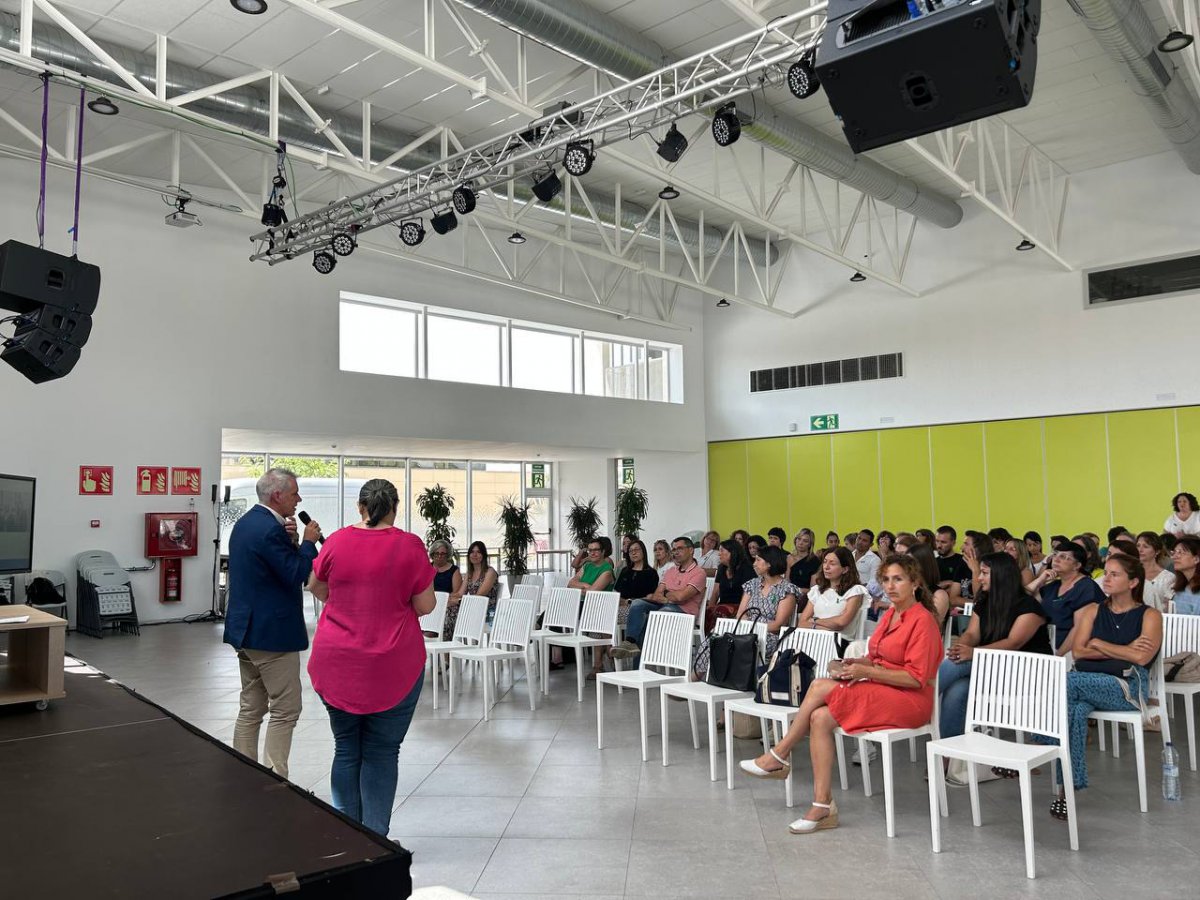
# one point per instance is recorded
(1020, 554)
(803, 563)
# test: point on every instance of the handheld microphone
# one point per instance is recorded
(305, 518)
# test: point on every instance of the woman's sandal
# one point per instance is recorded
(750, 767)
(808, 826)
(1058, 809)
(1005, 773)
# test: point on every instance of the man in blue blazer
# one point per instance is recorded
(265, 618)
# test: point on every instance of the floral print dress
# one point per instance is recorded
(767, 607)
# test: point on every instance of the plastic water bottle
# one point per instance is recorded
(1170, 778)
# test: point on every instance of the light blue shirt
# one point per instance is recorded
(1187, 603)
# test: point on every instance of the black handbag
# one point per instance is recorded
(786, 677)
(733, 658)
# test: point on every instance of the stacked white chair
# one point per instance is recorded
(561, 617)
(468, 632)
(707, 694)
(819, 645)
(510, 641)
(1026, 692)
(1181, 634)
(597, 628)
(667, 645)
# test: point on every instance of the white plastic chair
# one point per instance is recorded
(434, 621)
(885, 738)
(537, 579)
(860, 619)
(702, 611)
(1133, 718)
(948, 636)
(597, 628)
(530, 592)
(1026, 692)
(666, 645)
(510, 641)
(821, 647)
(709, 695)
(1181, 634)
(562, 612)
(468, 632)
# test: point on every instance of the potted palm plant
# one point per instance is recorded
(583, 521)
(435, 504)
(518, 538)
(633, 504)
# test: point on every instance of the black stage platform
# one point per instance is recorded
(108, 795)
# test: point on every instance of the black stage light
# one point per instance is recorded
(250, 7)
(1026, 244)
(723, 303)
(579, 157)
(857, 277)
(547, 187)
(516, 238)
(726, 127)
(444, 223)
(102, 106)
(463, 199)
(802, 81)
(324, 261)
(273, 215)
(412, 232)
(668, 193)
(1175, 41)
(673, 145)
(343, 243)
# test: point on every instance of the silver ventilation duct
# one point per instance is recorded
(1123, 29)
(573, 28)
(249, 108)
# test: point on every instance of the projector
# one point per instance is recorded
(182, 219)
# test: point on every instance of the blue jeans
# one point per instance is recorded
(954, 683)
(366, 749)
(639, 613)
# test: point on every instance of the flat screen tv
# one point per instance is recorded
(16, 523)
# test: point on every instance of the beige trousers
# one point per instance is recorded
(270, 681)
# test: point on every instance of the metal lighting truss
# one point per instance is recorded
(709, 79)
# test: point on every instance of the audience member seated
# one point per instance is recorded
(597, 572)
(850, 540)
(742, 536)
(906, 540)
(865, 559)
(707, 557)
(733, 571)
(770, 595)
(999, 537)
(952, 568)
(803, 563)
(1113, 642)
(446, 578)
(680, 590)
(1186, 557)
(927, 563)
(1020, 554)
(1184, 520)
(832, 540)
(481, 579)
(892, 687)
(776, 537)
(835, 597)
(1005, 617)
(662, 557)
(636, 581)
(1094, 567)
(1064, 589)
(885, 544)
(1033, 543)
(1120, 533)
(755, 544)
(926, 536)
(1160, 581)
(976, 544)
(1057, 540)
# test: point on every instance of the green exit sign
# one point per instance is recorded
(828, 422)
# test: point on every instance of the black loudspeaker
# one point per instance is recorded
(897, 69)
(39, 355)
(31, 278)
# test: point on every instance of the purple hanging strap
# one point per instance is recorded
(41, 207)
(78, 172)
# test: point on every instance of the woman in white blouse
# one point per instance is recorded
(1185, 520)
(1160, 582)
(836, 597)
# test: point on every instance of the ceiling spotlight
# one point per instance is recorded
(723, 303)
(673, 145)
(444, 223)
(324, 261)
(1175, 41)
(250, 7)
(668, 193)
(547, 187)
(726, 127)
(463, 199)
(857, 277)
(102, 106)
(1026, 244)
(579, 157)
(516, 238)
(343, 243)
(412, 232)
(802, 80)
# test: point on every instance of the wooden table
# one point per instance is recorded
(33, 672)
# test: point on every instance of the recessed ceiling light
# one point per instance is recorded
(249, 7)
(102, 106)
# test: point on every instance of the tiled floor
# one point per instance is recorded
(526, 806)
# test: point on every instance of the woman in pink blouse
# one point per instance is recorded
(368, 655)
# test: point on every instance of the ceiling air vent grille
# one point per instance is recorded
(835, 371)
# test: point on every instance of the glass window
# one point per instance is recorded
(463, 351)
(317, 479)
(612, 369)
(452, 476)
(658, 375)
(543, 360)
(492, 482)
(378, 339)
(239, 473)
(357, 472)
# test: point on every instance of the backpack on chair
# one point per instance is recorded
(41, 592)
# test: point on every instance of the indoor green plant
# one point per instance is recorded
(583, 521)
(434, 504)
(633, 503)
(518, 538)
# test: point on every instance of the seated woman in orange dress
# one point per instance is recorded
(892, 687)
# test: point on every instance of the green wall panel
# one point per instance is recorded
(957, 457)
(856, 480)
(907, 498)
(810, 489)
(1141, 459)
(1077, 475)
(1016, 489)
(727, 486)
(767, 479)
(1188, 420)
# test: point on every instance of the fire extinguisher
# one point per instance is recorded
(172, 591)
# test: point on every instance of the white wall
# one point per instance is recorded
(190, 337)
(996, 333)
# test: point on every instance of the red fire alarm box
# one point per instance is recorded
(171, 535)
